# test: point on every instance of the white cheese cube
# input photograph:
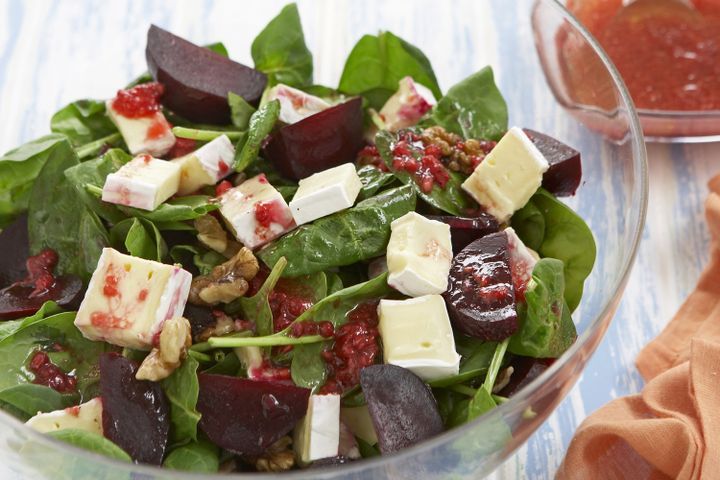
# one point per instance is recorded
(522, 262)
(206, 166)
(86, 416)
(418, 255)
(359, 422)
(416, 334)
(129, 299)
(508, 176)
(295, 104)
(325, 192)
(144, 182)
(152, 134)
(256, 212)
(318, 433)
(407, 106)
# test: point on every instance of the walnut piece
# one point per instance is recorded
(212, 234)
(279, 457)
(226, 282)
(171, 351)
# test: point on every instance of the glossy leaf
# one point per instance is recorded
(83, 121)
(140, 238)
(92, 442)
(373, 179)
(181, 389)
(240, 111)
(260, 125)
(201, 457)
(308, 367)
(27, 399)
(175, 210)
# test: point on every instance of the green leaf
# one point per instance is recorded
(483, 401)
(240, 111)
(359, 233)
(373, 180)
(566, 237)
(529, 224)
(257, 308)
(201, 456)
(474, 108)
(9, 327)
(334, 283)
(451, 199)
(140, 238)
(308, 367)
(92, 442)
(83, 121)
(18, 170)
(28, 399)
(377, 64)
(367, 450)
(260, 126)
(475, 363)
(280, 52)
(542, 332)
(175, 210)
(182, 389)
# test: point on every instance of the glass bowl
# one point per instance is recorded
(459, 37)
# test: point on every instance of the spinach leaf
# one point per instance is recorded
(334, 283)
(372, 181)
(175, 210)
(18, 170)
(541, 334)
(27, 399)
(377, 63)
(451, 199)
(565, 237)
(240, 111)
(483, 401)
(359, 233)
(182, 389)
(92, 442)
(9, 327)
(140, 238)
(474, 108)
(201, 456)
(82, 122)
(367, 450)
(280, 52)
(260, 125)
(473, 364)
(229, 365)
(529, 224)
(308, 367)
(92, 238)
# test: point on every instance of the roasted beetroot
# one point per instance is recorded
(525, 370)
(480, 295)
(14, 239)
(247, 416)
(565, 172)
(18, 301)
(197, 80)
(136, 414)
(402, 407)
(318, 142)
(465, 230)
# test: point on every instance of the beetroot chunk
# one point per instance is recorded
(402, 408)
(565, 172)
(19, 300)
(135, 414)
(464, 231)
(197, 80)
(525, 370)
(318, 142)
(480, 295)
(247, 416)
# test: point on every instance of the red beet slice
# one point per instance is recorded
(464, 230)
(16, 302)
(480, 295)
(565, 172)
(14, 239)
(402, 407)
(247, 416)
(136, 414)
(318, 142)
(197, 80)
(525, 370)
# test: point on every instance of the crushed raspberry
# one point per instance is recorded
(223, 167)
(369, 155)
(267, 213)
(222, 187)
(182, 147)
(48, 374)
(268, 371)
(303, 329)
(40, 272)
(139, 101)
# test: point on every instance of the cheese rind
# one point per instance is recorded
(295, 105)
(419, 254)
(416, 334)
(144, 182)
(325, 192)
(407, 106)
(151, 134)
(508, 176)
(129, 299)
(86, 416)
(255, 212)
(318, 433)
(206, 166)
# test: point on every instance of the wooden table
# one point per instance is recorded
(54, 52)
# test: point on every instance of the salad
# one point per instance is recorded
(251, 272)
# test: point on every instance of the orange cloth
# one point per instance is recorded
(672, 428)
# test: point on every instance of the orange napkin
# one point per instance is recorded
(672, 428)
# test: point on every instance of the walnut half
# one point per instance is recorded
(212, 234)
(172, 349)
(227, 282)
(279, 457)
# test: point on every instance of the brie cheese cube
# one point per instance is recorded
(522, 262)
(359, 422)
(206, 166)
(418, 255)
(255, 212)
(129, 299)
(325, 192)
(86, 416)
(152, 134)
(508, 176)
(317, 435)
(407, 106)
(144, 182)
(295, 104)
(416, 334)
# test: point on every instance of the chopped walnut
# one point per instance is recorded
(458, 155)
(171, 350)
(226, 282)
(224, 324)
(212, 234)
(503, 379)
(279, 457)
